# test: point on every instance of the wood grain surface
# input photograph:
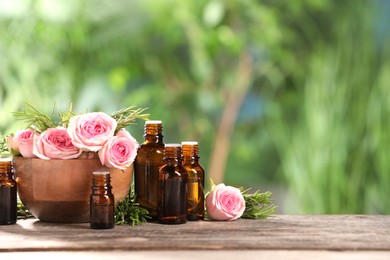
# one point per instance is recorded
(281, 232)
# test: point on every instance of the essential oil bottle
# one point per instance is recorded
(102, 201)
(150, 158)
(172, 188)
(7, 193)
(195, 197)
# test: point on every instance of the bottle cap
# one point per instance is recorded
(153, 122)
(101, 173)
(172, 145)
(5, 159)
(189, 143)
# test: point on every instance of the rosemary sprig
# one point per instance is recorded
(258, 205)
(39, 122)
(127, 116)
(22, 211)
(35, 119)
(65, 116)
(129, 212)
(3, 144)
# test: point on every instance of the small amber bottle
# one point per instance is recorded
(172, 188)
(7, 193)
(102, 201)
(150, 158)
(195, 197)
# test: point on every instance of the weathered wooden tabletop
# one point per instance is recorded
(282, 236)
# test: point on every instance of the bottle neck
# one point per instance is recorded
(154, 139)
(101, 181)
(172, 154)
(187, 158)
(5, 170)
(153, 133)
(190, 153)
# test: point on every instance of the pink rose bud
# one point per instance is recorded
(91, 131)
(24, 142)
(55, 143)
(119, 151)
(225, 203)
(12, 145)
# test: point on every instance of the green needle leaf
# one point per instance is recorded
(258, 205)
(129, 212)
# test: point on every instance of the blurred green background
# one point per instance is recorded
(287, 96)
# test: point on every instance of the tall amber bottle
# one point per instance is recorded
(7, 193)
(102, 201)
(195, 197)
(172, 188)
(150, 158)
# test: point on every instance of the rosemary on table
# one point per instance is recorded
(258, 205)
(22, 211)
(129, 212)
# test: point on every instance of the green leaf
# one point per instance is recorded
(258, 205)
(127, 116)
(22, 211)
(129, 212)
(35, 119)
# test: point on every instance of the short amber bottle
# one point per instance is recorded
(7, 193)
(150, 158)
(102, 201)
(195, 197)
(172, 188)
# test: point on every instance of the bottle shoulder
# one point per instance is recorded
(193, 166)
(100, 199)
(173, 170)
(150, 149)
(151, 145)
(153, 154)
(7, 182)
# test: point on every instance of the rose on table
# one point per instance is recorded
(227, 203)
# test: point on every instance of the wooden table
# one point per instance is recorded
(280, 237)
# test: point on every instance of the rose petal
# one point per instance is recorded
(225, 203)
(91, 131)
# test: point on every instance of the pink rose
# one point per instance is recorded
(24, 142)
(91, 131)
(55, 143)
(12, 145)
(225, 203)
(120, 151)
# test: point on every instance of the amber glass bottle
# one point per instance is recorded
(195, 186)
(102, 201)
(147, 164)
(7, 193)
(172, 188)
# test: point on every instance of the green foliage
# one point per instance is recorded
(326, 145)
(22, 211)
(128, 115)
(258, 205)
(40, 122)
(66, 116)
(314, 113)
(3, 145)
(34, 119)
(129, 212)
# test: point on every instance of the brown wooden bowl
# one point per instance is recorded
(59, 190)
